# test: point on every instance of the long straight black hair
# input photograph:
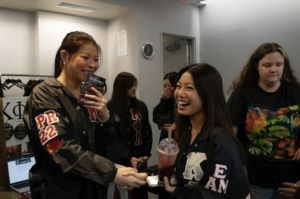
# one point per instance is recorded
(123, 82)
(208, 83)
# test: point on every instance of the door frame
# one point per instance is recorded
(193, 47)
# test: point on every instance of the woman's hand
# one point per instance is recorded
(97, 102)
(145, 158)
(134, 161)
(172, 126)
(167, 126)
(126, 188)
(129, 181)
(290, 191)
(167, 94)
(167, 186)
(140, 176)
(297, 155)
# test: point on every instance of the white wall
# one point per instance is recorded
(17, 46)
(128, 63)
(29, 42)
(153, 18)
(53, 27)
(174, 60)
(231, 30)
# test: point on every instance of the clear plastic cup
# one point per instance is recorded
(167, 153)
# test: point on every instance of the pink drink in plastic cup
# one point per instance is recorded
(167, 153)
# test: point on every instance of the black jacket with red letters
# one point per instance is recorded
(61, 133)
(211, 168)
(130, 137)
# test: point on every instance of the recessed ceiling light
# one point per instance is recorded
(202, 2)
(76, 7)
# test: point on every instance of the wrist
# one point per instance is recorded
(104, 118)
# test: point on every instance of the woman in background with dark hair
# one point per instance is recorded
(130, 142)
(61, 130)
(265, 110)
(167, 104)
(209, 163)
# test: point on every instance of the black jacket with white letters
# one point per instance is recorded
(61, 133)
(211, 168)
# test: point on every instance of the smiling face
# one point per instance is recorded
(270, 69)
(188, 101)
(131, 93)
(84, 61)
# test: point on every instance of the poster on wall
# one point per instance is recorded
(122, 42)
(16, 137)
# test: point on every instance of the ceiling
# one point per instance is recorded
(103, 11)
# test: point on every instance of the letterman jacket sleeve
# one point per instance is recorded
(224, 175)
(161, 108)
(147, 134)
(49, 127)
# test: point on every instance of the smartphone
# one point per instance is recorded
(154, 182)
(93, 81)
(163, 119)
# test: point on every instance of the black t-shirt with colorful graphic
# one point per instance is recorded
(268, 124)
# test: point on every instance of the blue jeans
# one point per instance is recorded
(257, 192)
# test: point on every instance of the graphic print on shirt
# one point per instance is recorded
(47, 132)
(271, 132)
(137, 126)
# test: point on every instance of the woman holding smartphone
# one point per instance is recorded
(61, 130)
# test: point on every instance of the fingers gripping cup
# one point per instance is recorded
(167, 153)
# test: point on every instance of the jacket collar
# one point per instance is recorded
(53, 82)
(199, 138)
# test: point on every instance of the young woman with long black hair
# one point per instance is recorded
(210, 161)
(130, 141)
